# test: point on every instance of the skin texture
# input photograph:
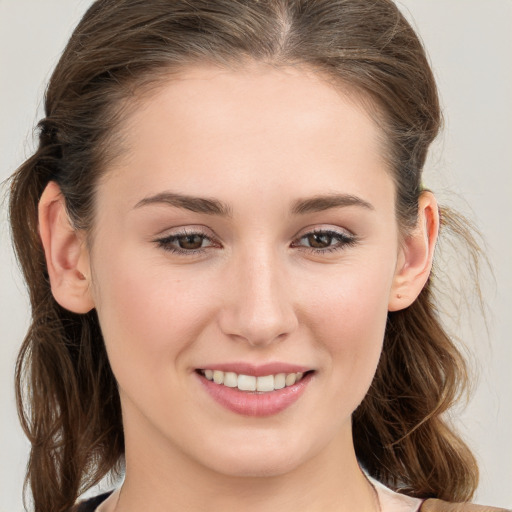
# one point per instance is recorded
(257, 139)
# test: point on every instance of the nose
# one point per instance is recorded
(260, 308)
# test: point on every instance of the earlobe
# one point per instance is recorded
(66, 255)
(416, 256)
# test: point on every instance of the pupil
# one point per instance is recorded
(319, 240)
(190, 241)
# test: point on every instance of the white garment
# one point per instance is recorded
(391, 501)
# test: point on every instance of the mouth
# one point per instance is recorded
(251, 383)
(250, 395)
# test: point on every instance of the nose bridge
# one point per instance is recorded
(260, 309)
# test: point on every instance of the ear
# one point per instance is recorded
(416, 255)
(66, 253)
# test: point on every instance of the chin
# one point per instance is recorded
(259, 467)
(257, 459)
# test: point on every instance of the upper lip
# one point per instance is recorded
(255, 370)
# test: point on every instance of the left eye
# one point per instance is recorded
(324, 240)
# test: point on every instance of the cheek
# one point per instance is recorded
(148, 316)
(348, 316)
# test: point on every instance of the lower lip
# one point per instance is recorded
(249, 403)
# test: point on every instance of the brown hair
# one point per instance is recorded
(70, 409)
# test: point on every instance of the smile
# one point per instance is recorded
(262, 384)
(251, 395)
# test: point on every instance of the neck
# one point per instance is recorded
(160, 477)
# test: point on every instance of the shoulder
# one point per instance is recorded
(90, 505)
(433, 505)
(391, 501)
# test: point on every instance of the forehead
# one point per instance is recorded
(258, 123)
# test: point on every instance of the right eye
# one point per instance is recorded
(186, 242)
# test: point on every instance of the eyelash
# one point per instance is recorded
(166, 242)
(342, 240)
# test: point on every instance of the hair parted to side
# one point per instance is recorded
(67, 395)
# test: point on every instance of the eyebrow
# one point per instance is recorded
(326, 202)
(194, 204)
(211, 206)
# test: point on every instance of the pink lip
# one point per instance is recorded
(254, 403)
(257, 370)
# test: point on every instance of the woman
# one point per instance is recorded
(228, 250)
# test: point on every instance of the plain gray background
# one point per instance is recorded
(470, 45)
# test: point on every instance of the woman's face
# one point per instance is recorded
(249, 228)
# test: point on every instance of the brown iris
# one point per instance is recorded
(319, 240)
(190, 241)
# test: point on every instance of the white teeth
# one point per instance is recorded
(246, 383)
(280, 381)
(290, 379)
(230, 380)
(265, 383)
